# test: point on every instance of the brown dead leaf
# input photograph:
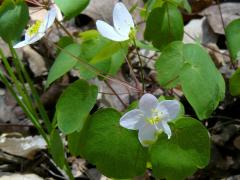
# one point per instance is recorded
(230, 11)
(24, 146)
(21, 177)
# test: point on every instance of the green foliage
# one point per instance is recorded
(74, 105)
(74, 141)
(152, 4)
(164, 25)
(64, 62)
(13, 19)
(235, 84)
(64, 42)
(56, 149)
(104, 55)
(190, 66)
(180, 156)
(233, 39)
(72, 8)
(115, 151)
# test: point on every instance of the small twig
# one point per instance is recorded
(115, 93)
(131, 70)
(112, 94)
(63, 28)
(220, 11)
(95, 70)
(189, 35)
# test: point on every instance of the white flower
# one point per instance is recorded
(151, 118)
(123, 24)
(38, 29)
(59, 15)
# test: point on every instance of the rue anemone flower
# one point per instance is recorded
(151, 118)
(35, 32)
(123, 25)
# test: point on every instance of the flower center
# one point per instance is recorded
(156, 117)
(32, 30)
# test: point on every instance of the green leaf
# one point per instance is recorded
(144, 45)
(180, 156)
(13, 19)
(64, 42)
(107, 51)
(64, 62)
(74, 140)
(89, 49)
(117, 60)
(170, 64)
(233, 38)
(191, 67)
(235, 83)
(74, 106)
(164, 25)
(102, 54)
(202, 83)
(185, 5)
(71, 8)
(56, 149)
(115, 151)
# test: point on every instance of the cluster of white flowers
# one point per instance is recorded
(152, 117)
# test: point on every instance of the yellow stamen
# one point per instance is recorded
(34, 28)
(156, 117)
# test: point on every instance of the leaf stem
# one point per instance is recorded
(40, 106)
(24, 108)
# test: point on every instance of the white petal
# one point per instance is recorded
(122, 19)
(21, 44)
(133, 119)
(59, 15)
(31, 40)
(147, 135)
(36, 38)
(48, 19)
(166, 129)
(170, 108)
(109, 32)
(147, 103)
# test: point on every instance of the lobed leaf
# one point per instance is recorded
(186, 151)
(115, 151)
(190, 66)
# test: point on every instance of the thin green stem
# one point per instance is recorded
(18, 85)
(40, 106)
(24, 107)
(68, 170)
